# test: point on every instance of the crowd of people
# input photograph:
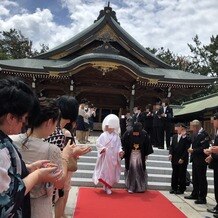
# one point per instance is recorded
(202, 152)
(187, 144)
(156, 120)
(34, 164)
(37, 147)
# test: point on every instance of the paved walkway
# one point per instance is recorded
(188, 207)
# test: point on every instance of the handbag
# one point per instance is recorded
(72, 164)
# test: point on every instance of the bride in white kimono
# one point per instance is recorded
(108, 165)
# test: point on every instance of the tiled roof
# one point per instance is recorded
(198, 105)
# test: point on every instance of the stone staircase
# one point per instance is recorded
(158, 168)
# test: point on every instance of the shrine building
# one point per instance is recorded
(107, 66)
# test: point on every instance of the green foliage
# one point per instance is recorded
(205, 57)
(14, 45)
(177, 62)
(203, 60)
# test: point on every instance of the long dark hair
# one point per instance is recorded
(48, 110)
(17, 98)
(69, 107)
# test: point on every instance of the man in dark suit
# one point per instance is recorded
(137, 116)
(200, 142)
(148, 121)
(158, 133)
(178, 154)
(167, 116)
(212, 160)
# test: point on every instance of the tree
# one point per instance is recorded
(176, 61)
(205, 57)
(203, 60)
(14, 45)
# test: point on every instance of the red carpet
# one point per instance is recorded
(94, 203)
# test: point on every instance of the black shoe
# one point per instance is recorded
(191, 197)
(201, 201)
(172, 191)
(179, 192)
(213, 210)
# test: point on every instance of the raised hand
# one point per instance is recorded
(81, 150)
(74, 150)
(48, 174)
(208, 151)
(38, 164)
(208, 159)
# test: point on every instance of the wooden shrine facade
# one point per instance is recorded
(107, 66)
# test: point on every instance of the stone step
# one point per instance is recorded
(152, 177)
(150, 169)
(150, 163)
(151, 185)
(150, 157)
(156, 150)
(154, 163)
(158, 167)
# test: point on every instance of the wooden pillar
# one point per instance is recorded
(132, 99)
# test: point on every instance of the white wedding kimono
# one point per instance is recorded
(108, 165)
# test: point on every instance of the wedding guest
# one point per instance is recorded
(32, 148)
(68, 106)
(148, 121)
(212, 160)
(82, 123)
(178, 155)
(166, 117)
(158, 131)
(17, 178)
(200, 142)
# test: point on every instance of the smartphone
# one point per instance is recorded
(69, 138)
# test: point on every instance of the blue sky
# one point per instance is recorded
(153, 23)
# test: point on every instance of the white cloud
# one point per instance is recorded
(3, 11)
(153, 23)
(39, 27)
(5, 7)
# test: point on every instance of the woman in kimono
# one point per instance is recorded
(136, 146)
(108, 166)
